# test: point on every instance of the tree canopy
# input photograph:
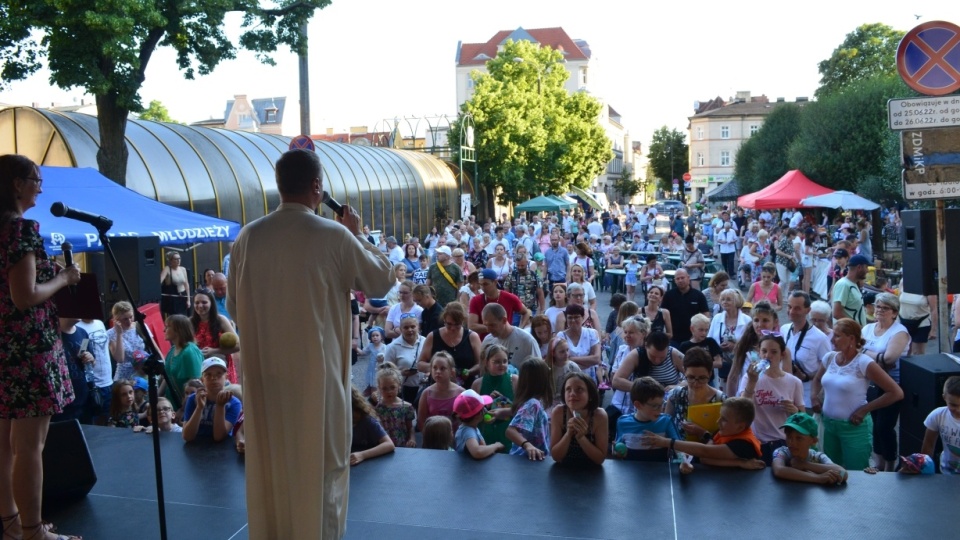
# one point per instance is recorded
(867, 52)
(531, 135)
(105, 48)
(668, 155)
(157, 112)
(762, 158)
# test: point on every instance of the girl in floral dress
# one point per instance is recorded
(396, 415)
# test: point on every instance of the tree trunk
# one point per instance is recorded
(112, 156)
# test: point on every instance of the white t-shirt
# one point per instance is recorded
(405, 355)
(767, 395)
(553, 313)
(941, 421)
(520, 345)
(396, 311)
(845, 387)
(102, 373)
(588, 338)
(877, 343)
(814, 347)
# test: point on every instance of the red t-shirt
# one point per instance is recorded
(510, 302)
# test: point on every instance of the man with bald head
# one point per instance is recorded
(683, 302)
(219, 286)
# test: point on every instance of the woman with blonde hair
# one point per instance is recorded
(174, 287)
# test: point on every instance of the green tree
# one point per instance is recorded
(843, 137)
(157, 112)
(625, 185)
(105, 47)
(531, 136)
(668, 155)
(867, 52)
(762, 159)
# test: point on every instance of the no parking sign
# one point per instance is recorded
(928, 58)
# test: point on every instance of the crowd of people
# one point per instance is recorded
(534, 380)
(488, 340)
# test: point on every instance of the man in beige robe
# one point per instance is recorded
(290, 278)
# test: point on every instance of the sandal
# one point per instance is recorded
(6, 522)
(45, 527)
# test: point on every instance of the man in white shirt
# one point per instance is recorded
(594, 227)
(807, 344)
(727, 241)
(394, 251)
(796, 219)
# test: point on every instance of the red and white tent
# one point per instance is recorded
(787, 192)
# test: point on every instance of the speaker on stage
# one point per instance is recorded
(141, 263)
(68, 471)
(920, 250)
(922, 378)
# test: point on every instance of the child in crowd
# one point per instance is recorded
(468, 407)
(501, 386)
(420, 274)
(775, 395)
(140, 391)
(630, 275)
(374, 352)
(798, 461)
(734, 445)
(189, 388)
(648, 396)
(558, 358)
(123, 414)
(699, 326)
(396, 415)
(530, 428)
(437, 399)
(765, 319)
(211, 411)
(945, 422)
(578, 427)
(369, 438)
(164, 418)
(437, 433)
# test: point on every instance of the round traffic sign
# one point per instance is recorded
(928, 58)
(686, 177)
(302, 141)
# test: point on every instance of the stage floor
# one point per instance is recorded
(424, 495)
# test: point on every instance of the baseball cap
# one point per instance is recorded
(917, 464)
(802, 423)
(840, 253)
(489, 273)
(857, 260)
(212, 362)
(538, 256)
(469, 404)
(140, 384)
(444, 250)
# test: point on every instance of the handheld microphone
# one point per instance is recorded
(67, 248)
(59, 209)
(332, 204)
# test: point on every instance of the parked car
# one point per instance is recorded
(667, 206)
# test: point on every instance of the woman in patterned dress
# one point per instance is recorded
(34, 381)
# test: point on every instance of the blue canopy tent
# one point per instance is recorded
(132, 214)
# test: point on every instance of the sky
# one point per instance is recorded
(376, 60)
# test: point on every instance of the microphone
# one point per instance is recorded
(61, 210)
(332, 204)
(67, 248)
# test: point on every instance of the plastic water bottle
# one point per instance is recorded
(758, 363)
(762, 365)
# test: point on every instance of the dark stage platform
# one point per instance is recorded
(425, 495)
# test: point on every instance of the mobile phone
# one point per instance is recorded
(84, 344)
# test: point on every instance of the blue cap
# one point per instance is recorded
(857, 260)
(140, 384)
(489, 273)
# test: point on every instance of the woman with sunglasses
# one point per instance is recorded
(406, 307)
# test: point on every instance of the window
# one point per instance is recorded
(725, 158)
(699, 133)
(699, 159)
(583, 76)
(724, 132)
(754, 129)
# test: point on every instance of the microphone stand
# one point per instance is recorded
(153, 367)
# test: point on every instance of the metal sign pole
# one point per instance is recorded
(944, 327)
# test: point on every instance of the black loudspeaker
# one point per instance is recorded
(140, 261)
(920, 250)
(68, 472)
(922, 378)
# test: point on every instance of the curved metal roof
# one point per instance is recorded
(230, 174)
